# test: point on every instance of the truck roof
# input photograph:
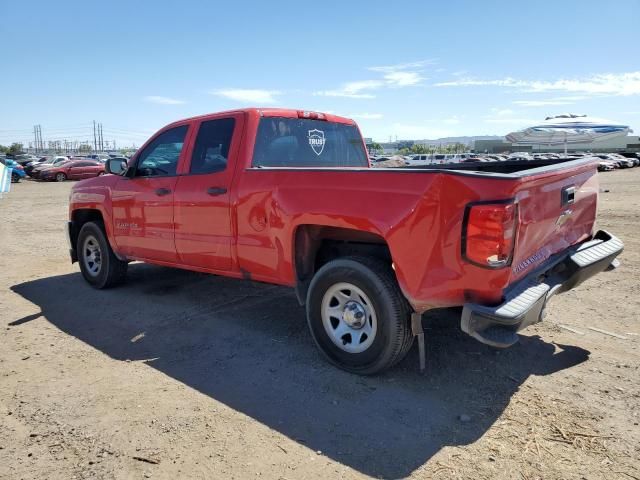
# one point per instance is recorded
(272, 112)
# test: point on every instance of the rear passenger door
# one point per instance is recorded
(203, 231)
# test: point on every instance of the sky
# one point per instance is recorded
(411, 70)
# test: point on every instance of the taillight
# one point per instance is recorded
(489, 232)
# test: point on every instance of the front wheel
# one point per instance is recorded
(357, 315)
(15, 178)
(98, 264)
(60, 177)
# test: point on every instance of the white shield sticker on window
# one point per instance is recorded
(316, 141)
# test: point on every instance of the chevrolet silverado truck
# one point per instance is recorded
(288, 197)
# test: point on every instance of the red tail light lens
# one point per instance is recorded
(489, 233)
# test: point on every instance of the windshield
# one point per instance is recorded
(294, 142)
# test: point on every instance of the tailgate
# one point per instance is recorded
(556, 210)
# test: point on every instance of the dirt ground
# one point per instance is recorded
(184, 375)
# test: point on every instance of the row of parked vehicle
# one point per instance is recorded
(58, 167)
(608, 161)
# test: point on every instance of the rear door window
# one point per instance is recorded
(295, 142)
(211, 151)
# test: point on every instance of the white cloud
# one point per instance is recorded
(403, 79)
(394, 76)
(612, 84)
(353, 89)
(403, 66)
(254, 96)
(365, 116)
(163, 100)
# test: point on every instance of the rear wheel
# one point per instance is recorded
(357, 315)
(60, 177)
(15, 178)
(98, 264)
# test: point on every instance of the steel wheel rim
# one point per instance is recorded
(349, 318)
(60, 177)
(91, 255)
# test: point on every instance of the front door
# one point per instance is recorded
(143, 199)
(203, 232)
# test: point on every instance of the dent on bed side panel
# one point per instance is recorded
(419, 216)
(432, 272)
(271, 204)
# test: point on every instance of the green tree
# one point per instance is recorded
(15, 149)
(3, 149)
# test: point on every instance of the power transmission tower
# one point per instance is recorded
(39, 141)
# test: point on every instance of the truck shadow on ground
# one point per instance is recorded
(246, 344)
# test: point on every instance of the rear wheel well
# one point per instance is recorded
(316, 245)
(79, 218)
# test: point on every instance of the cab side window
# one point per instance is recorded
(160, 157)
(211, 150)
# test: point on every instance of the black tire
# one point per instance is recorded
(15, 178)
(60, 177)
(393, 337)
(111, 270)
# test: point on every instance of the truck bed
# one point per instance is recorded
(508, 167)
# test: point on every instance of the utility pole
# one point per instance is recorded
(39, 141)
(95, 143)
(101, 139)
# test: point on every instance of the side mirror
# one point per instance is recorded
(116, 166)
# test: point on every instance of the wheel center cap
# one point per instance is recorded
(354, 314)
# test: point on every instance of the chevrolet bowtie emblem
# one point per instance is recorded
(564, 216)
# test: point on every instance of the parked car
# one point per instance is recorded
(299, 207)
(102, 157)
(633, 156)
(622, 161)
(50, 162)
(606, 166)
(73, 170)
(17, 170)
(31, 165)
(23, 158)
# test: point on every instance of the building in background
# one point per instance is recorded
(630, 143)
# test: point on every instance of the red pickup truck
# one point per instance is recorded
(288, 197)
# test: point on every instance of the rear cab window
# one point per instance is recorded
(298, 142)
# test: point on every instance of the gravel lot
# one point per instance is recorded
(184, 375)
